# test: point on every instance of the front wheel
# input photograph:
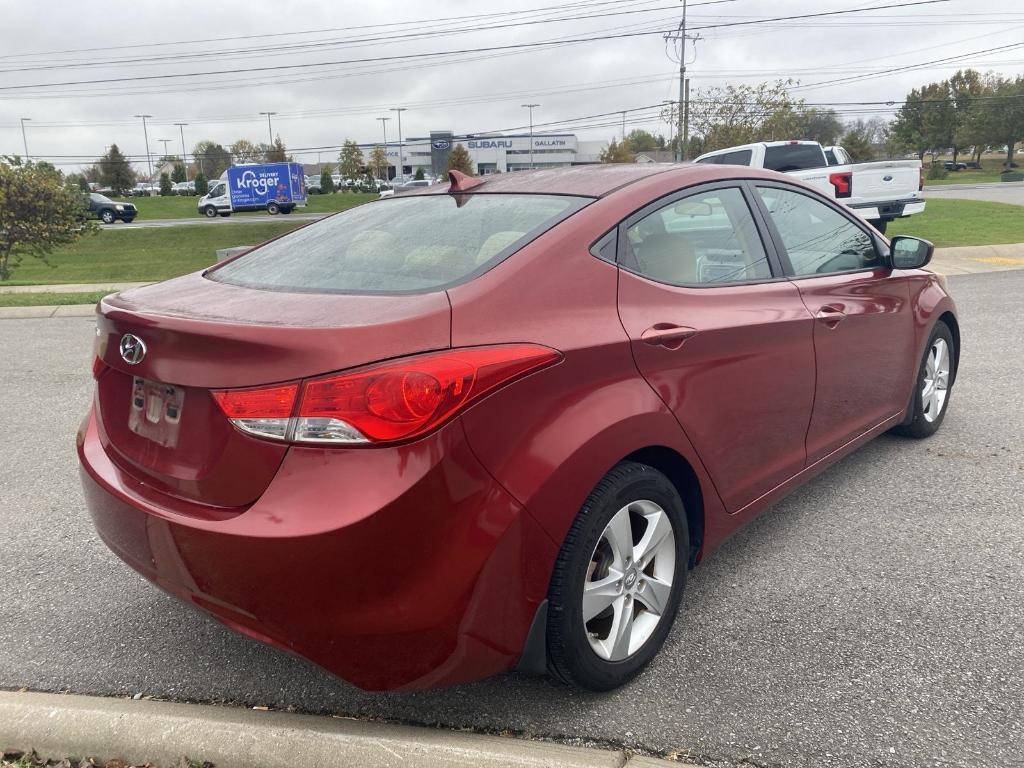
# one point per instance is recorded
(618, 580)
(108, 217)
(933, 385)
(210, 212)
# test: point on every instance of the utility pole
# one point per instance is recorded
(530, 107)
(401, 161)
(270, 130)
(24, 139)
(384, 125)
(184, 156)
(165, 142)
(145, 134)
(623, 125)
(683, 125)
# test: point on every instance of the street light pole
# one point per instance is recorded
(145, 134)
(270, 130)
(165, 142)
(384, 124)
(530, 107)
(184, 155)
(401, 161)
(24, 139)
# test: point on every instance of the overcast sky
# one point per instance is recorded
(67, 42)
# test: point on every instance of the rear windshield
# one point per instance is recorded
(739, 157)
(400, 244)
(794, 157)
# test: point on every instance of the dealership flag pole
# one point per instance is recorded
(401, 161)
(145, 135)
(184, 155)
(530, 107)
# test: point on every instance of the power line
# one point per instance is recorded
(434, 54)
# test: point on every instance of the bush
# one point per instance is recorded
(165, 185)
(419, 174)
(937, 171)
(202, 185)
(326, 182)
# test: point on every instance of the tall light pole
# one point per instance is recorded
(401, 161)
(24, 139)
(270, 130)
(145, 134)
(165, 142)
(384, 124)
(623, 125)
(530, 107)
(184, 155)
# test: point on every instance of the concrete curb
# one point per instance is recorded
(70, 287)
(59, 726)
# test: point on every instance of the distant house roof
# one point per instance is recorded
(656, 156)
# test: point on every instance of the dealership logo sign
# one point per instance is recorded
(491, 144)
(442, 144)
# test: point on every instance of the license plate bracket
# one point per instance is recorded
(155, 411)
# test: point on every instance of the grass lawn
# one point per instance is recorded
(185, 207)
(991, 165)
(49, 299)
(964, 222)
(139, 255)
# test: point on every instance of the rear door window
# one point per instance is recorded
(402, 244)
(703, 239)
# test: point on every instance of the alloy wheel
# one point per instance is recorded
(936, 380)
(629, 580)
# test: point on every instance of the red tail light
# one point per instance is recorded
(385, 402)
(842, 183)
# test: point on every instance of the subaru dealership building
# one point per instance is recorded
(492, 154)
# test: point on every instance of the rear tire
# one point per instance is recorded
(273, 209)
(879, 224)
(933, 385)
(626, 557)
(210, 212)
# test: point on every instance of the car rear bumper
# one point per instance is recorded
(404, 567)
(889, 211)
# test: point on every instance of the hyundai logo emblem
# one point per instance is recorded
(442, 144)
(133, 349)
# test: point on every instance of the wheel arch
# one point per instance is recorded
(950, 321)
(682, 475)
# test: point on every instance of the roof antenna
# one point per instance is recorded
(461, 182)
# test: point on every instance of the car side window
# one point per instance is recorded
(704, 239)
(818, 239)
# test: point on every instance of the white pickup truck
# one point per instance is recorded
(879, 191)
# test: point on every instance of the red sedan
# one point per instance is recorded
(493, 424)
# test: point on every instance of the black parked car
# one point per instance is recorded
(108, 211)
(951, 166)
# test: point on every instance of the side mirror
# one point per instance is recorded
(910, 252)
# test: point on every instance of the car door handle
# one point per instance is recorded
(830, 315)
(667, 335)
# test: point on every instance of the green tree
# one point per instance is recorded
(326, 182)
(859, 139)
(78, 180)
(459, 160)
(821, 125)
(1004, 115)
(178, 173)
(616, 153)
(641, 141)
(211, 158)
(165, 185)
(741, 114)
(244, 151)
(419, 174)
(276, 153)
(378, 162)
(116, 172)
(350, 161)
(202, 185)
(39, 210)
(968, 89)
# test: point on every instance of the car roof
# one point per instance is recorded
(583, 180)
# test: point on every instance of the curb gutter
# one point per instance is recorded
(160, 733)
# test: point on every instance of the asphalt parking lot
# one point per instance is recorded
(1011, 192)
(874, 618)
